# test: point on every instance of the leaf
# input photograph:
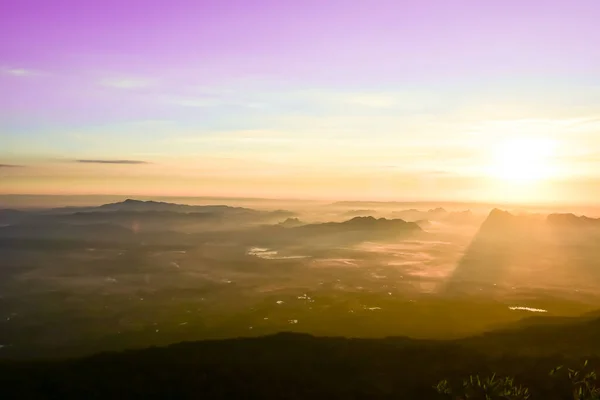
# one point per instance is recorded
(553, 371)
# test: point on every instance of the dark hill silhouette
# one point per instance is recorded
(295, 365)
(575, 337)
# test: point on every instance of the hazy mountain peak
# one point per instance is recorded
(379, 223)
(438, 210)
(291, 223)
(362, 219)
(572, 220)
(496, 213)
(498, 219)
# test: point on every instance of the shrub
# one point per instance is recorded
(582, 383)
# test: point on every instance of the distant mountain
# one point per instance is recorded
(174, 216)
(138, 205)
(572, 221)
(504, 221)
(324, 235)
(423, 222)
(506, 226)
(466, 216)
(147, 215)
(411, 215)
(131, 205)
(501, 219)
(362, 224)
(436, 214)
(144, 206)
(359, 213)
(291, 223)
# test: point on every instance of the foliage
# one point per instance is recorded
(294, 366)
(583, 386)
(584, 382)
(490, 388)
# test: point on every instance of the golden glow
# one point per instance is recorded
(523, 160)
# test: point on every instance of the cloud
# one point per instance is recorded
(128, 162)
(10, 166)
(234, 137)
(126, 83)
(407, 101)
(18, 72)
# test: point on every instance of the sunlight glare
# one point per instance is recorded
(523, 160)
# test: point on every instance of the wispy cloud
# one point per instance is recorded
(10, 166)
(234, 137)
(129, 162)
(404, 100)
(126, 83)
(18, 72)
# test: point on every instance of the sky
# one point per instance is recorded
(375, 100)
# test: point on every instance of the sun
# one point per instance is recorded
(522, 160)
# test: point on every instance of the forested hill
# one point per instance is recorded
(282, 366)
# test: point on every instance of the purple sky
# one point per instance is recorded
(334, 44)
(304, 39)
(86, 68)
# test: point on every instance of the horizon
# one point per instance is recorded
(458, 101)
(31, 202)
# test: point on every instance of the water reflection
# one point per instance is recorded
(519, 308)
(268, 254)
